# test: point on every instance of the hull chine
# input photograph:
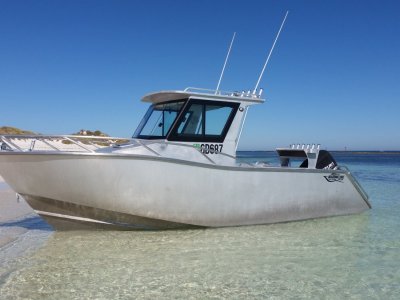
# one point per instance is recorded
(69, 216)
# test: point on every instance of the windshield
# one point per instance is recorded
(158, 120)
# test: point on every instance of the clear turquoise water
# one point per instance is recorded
(356, 257)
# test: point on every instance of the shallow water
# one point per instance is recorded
(354, 256)
(3, 186)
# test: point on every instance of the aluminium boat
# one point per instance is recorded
(178, 170)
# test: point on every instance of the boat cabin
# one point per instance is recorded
(209, 120)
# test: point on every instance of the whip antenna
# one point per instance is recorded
(226, 60)
(270, 52)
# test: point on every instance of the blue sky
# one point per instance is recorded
(332, 79)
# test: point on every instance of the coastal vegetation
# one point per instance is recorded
(90, 133)
(13, 130)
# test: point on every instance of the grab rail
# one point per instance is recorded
(242, 94)
(356, 184)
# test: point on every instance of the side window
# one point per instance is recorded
(192, 123)
(206, 121)
(216, 118)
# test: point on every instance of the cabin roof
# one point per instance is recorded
(162, 96)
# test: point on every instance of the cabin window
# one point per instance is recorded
(192, 122)
(216, 116)
(158, 120)
(206, 121)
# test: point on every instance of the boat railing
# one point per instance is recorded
(68, 143)
(355, 183)
(76, 143)
(244, 94)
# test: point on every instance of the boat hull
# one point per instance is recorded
(152, 192)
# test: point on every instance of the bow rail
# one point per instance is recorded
(71, 143)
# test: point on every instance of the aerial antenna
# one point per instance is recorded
(270, 52)
(226, 60)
